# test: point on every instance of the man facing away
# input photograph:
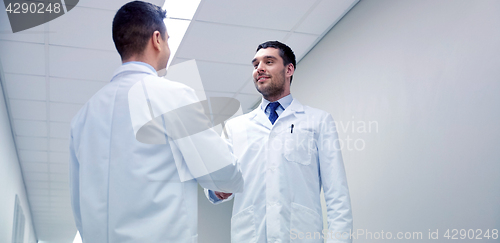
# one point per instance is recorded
(287, 152)
(135, 161)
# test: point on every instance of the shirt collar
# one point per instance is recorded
(284, 102)
(141, 63)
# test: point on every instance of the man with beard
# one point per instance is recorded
(287, 153)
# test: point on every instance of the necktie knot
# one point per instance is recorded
(273, 106)
(272, 111)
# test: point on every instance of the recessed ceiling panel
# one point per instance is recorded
(24, 58)
(58, 157)
(276, 14)
(36, 184)
(247, 101)
(62, 112)
(32, 143)
(35, 167)
(223, 77)
(219, 94)
(325, 15)
(76, 63)
(59, 145)
(249, 87)
(28, 110)
(224, 43)
(219, 105)
(38, 191)
(33, 156)
(111, 5)
(30, 128)
(59, 168)
(37, 176)
(59, 177)
(28, 87)
(33, 35)
(58, 185)
(60, 193)
(74, 91)
(176, 60)
(100, 38)
(301, 43)
(60, 129)
(99, 4)
(39, 215)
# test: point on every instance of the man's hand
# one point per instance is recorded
(222, 195)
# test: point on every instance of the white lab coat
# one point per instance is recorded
(126, 191)
(284, 170)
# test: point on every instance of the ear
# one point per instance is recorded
(157, 40)
(289, 70)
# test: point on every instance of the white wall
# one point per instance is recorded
(427, 74)
(11, 181)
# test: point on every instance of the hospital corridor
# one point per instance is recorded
(395, 137)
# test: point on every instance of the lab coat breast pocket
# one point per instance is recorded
(305, 221)
(243, 226)
(299, 146)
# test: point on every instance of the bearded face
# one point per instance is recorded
(269, 75)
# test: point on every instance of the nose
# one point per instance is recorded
(260, 68)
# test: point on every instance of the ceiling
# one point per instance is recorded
(51, 70)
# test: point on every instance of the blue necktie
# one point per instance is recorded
(272, 111)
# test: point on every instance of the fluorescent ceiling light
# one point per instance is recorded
(179, 16)
(77, 239)
(184, 9)
(176, 29)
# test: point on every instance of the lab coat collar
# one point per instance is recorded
(259, 116)
(133, 67)
(295, 106)
(284, 102)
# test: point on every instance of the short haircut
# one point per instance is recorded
(285, 51)
(133, 26)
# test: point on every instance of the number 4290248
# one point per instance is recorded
(33, 8)
(455, 234)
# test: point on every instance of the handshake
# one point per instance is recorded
(222, 195)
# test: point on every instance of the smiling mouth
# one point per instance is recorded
(262, 78)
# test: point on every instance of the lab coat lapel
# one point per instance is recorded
(294, 108)
(260, 118)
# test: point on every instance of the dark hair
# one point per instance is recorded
(285, 51)
(134, 24)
